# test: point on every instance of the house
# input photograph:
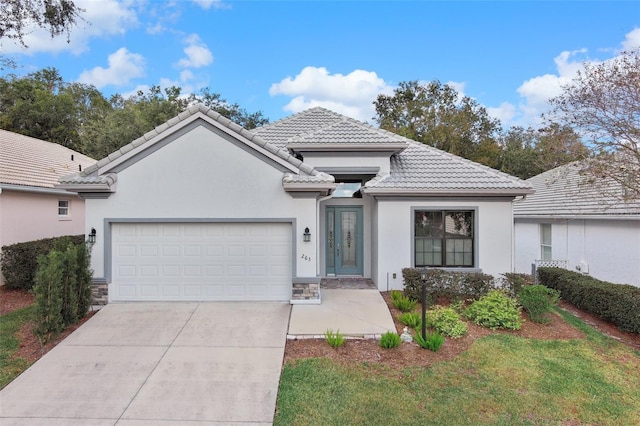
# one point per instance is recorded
(31, 207)
(573, 222)
(202, 209)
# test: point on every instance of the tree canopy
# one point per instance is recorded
(55, 16)
(436, 114)
(78, 116)
(602, 105)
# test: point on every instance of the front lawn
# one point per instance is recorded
(10, 324)
(501, 379)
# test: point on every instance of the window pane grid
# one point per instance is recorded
(443, 238)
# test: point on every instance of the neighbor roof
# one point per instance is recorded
(568, 192)
(29, 162)
(416, 168)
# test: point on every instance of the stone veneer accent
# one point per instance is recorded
(305, 290)
(100, 293)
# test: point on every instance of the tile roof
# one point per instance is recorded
(93, 176)
(418, 169)
(422, 168)
(567, 192)
(27, 161)
(280, 132)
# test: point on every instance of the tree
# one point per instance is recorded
(602, 104)
(558, 145)
(55, 16)
(43, 106)
(519, 156)
(127, 119)
(436, 114)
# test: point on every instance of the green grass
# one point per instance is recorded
(10, 365)
(501, 380)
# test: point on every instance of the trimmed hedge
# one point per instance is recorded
(20, 261)
(616, 303)
(451, 285)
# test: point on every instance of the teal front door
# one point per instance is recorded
(344, 240)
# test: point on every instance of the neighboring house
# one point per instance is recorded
(31, 208)
(202, 209)
(573, 223)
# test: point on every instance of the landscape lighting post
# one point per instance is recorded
(423, 282)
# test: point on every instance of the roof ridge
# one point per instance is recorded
(302, 113)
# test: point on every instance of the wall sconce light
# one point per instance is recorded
(91, 237)
(307, 235)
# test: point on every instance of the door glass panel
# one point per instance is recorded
(330, 239)
(349, 238)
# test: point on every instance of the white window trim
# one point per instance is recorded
(66, 216)
(545, 244)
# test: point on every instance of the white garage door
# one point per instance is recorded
(201, 261)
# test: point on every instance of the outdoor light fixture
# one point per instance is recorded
(91, 237)
(307, 235)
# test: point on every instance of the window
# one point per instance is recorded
(63, 208)
(444, 238)
(545, 241)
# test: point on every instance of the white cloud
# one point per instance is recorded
(505, 112)
(632, 40)
(351, 94)
(207, 4)
(123, 66)
(186, 75)
(198, 54)
(536, 92)
(100, 19)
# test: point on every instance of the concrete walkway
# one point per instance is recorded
(360, 313)
(144, 364)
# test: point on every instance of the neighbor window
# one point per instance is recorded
(63, 208)
(444, 238)
(545, 241)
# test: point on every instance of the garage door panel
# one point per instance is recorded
(203, 261)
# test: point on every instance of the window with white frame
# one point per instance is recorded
(545, 241)
(444, 238)
(63, 208)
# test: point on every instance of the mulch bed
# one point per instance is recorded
(410, 354)
(356, 350)
(30, 347)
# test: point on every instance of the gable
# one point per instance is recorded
(198, 172)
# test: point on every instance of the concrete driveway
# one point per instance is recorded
(143, 364)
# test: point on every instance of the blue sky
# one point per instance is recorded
(283, 57)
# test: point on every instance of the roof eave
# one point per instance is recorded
(34, 189)
(390, 148)
(322, 188)
(446, 192)
(612, 216)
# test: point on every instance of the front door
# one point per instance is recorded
(344, 240)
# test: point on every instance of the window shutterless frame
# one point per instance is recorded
(444, 238)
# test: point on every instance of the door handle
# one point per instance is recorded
(338, 247)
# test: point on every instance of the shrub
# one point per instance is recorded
(616, 303)
(450, 285)
(411, 319)
(514, 282)
(432, 342)
(446, 321)
(495, 310)
(335, 340)
(62, 289)
(20, 261)
(389, 340)
(48, 291)
(538, 301)
(401, 302)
